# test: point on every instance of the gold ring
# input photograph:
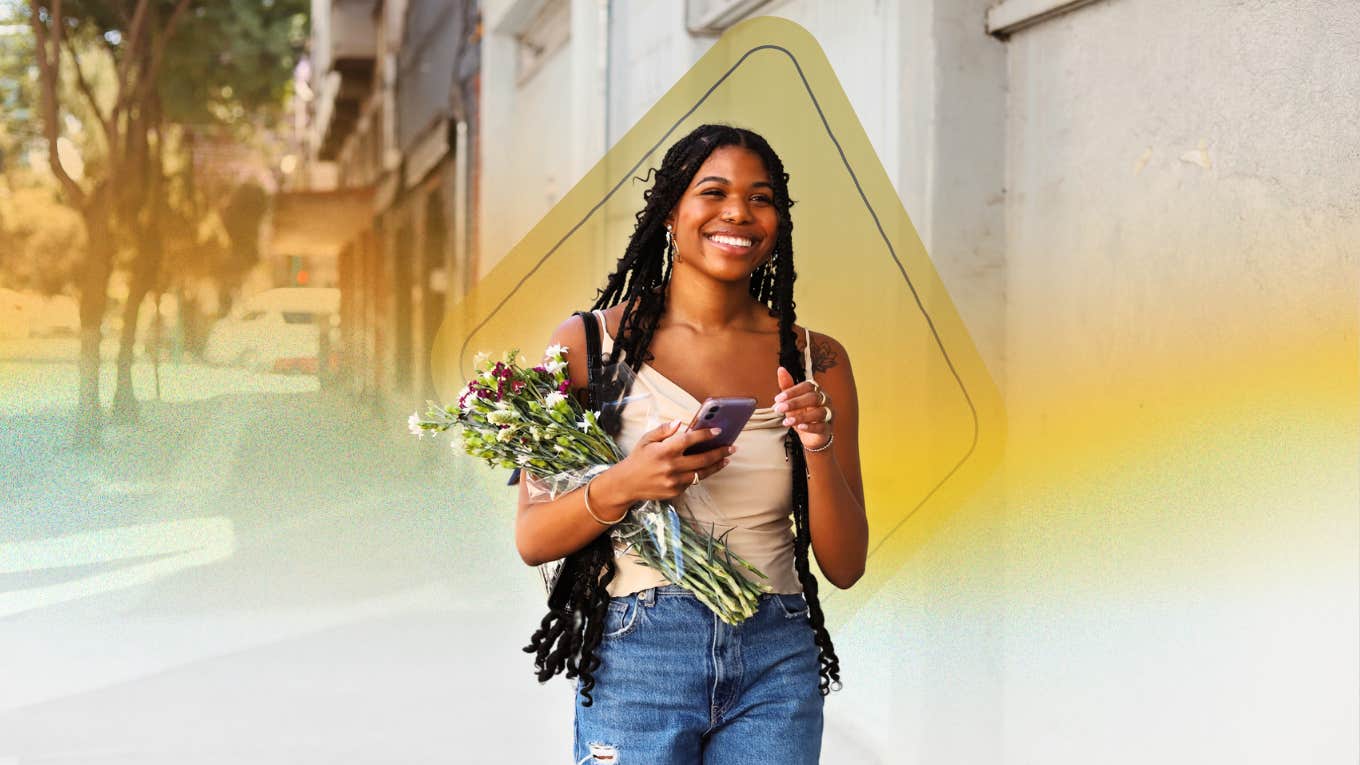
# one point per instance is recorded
(821, 398)
(695, 482)
(827, 418)
(815, 385)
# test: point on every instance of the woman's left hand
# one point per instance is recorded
(805, 407)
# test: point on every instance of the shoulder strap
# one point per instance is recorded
(592, 357)
(592, 369)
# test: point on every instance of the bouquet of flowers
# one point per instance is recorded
(513, 417)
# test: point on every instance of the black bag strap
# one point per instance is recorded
(592, 358)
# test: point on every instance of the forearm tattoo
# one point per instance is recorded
(823, 354)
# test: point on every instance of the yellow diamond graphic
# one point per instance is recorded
(932, 426)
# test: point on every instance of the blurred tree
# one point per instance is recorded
(42, 241)
(242, 217)
(20, 127)
(118, 99)
(102, 62)
(231, 64)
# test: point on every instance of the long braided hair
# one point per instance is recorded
(570, 633)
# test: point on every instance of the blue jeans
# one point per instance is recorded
(677, 685)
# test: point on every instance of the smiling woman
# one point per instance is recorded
(701, 306)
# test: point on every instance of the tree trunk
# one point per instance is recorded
(146, 264)
(94, 285)
(125, 409)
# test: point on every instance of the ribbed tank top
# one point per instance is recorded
(752, 496)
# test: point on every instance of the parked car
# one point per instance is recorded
(276, 330)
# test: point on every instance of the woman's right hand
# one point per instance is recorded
(656, 467)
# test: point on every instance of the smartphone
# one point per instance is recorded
(729, 413)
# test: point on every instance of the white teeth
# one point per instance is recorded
(732, 240)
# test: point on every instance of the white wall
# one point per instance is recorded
(1182, 221)
(538, 139)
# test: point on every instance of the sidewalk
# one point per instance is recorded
(263, 577)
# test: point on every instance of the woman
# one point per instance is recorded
(702, 305)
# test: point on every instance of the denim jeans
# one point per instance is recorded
(677, 685)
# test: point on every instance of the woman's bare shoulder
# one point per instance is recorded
(827, 352)
(571, 335)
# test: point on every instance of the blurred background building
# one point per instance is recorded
(385, 191)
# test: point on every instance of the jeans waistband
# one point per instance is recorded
(648, 596)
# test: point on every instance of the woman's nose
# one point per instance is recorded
(736, 211)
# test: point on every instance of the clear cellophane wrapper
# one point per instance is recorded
(666, 535)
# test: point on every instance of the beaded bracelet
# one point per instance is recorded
(823, 447)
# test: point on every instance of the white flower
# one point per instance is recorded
(413, 423)
(480, 358)
(505, 435)
(555, 365)
(523, 459)
(553, 399)
(555, 350)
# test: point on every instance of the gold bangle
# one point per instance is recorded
(592, 512)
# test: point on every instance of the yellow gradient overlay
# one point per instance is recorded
(931, 421)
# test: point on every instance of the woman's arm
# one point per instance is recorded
(836, 514)
(655, 469)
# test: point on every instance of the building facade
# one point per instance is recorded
(394, 120)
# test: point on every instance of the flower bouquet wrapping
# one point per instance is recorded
(517, 417)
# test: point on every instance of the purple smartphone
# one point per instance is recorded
(727, 412)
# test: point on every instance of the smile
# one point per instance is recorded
(734, 244)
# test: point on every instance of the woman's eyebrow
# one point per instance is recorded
(720, 179)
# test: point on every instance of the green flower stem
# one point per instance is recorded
(698, 581)
(701, 540)
(703, 575)
(695, 547)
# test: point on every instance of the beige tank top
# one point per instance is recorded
(753, 495)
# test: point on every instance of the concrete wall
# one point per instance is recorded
(539, 137)
(1181, 209)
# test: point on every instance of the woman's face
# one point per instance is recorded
(725, 222)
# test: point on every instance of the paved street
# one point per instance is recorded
(255, 574)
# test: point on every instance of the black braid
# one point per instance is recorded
(639, 281)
